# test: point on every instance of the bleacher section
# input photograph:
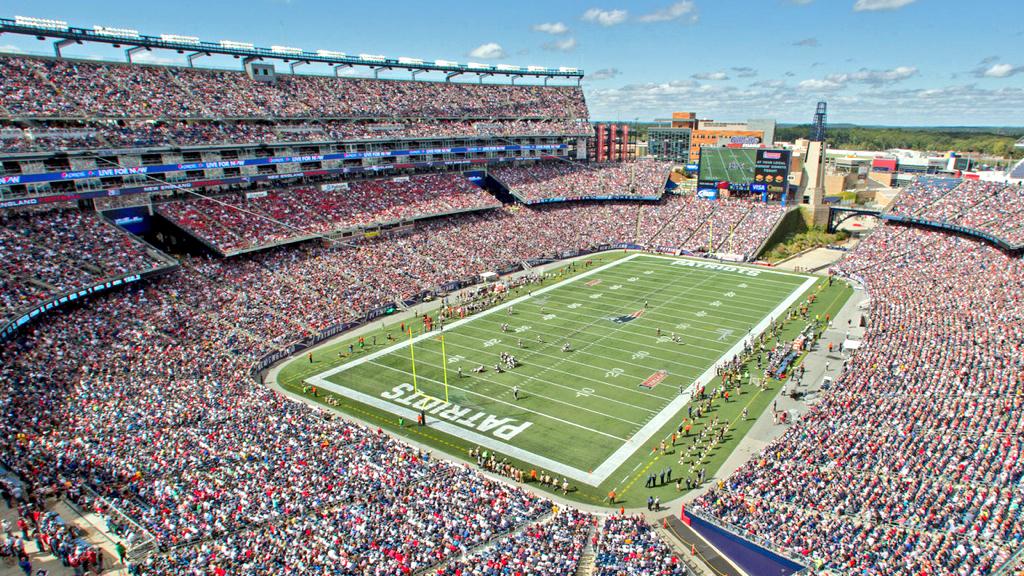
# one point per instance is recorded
(44, 255)
(234, 223)
(990, 210)
(565, 180)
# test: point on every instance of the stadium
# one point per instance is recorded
(265, 322)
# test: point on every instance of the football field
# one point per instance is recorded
(642, 331)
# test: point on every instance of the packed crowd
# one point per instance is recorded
(145, 396)
(232, 223)
(724, 226)
(45, 254)
(238, 222)
(43, 87)
(990, 207)
(550, 548)
(911, 463)
(576, 180)
(628, 546)
(74, 135)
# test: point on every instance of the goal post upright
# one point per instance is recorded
(412, 357)
(444, 366)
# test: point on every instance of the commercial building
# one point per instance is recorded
(665, 140)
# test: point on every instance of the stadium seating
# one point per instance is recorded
(574, 180)
(627, 545)
(231, 223)
(45, 254)
(988, 207)
(54, 88)
(77, 135)
(911, 463)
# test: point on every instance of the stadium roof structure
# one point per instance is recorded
(135, 41)
(1020, 143)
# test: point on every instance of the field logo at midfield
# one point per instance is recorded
(654, 379)
(627, 317)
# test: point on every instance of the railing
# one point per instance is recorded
(760, 542)
(139, 548)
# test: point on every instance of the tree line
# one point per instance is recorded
(975, 141)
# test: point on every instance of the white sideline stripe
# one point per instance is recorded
(644, 434)
(467, 319)
(610, 464)
(453, 430)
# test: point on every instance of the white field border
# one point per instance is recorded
(605, 469)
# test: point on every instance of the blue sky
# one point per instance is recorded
(898, 62)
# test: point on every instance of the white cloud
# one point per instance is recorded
(801, 2)
(711, 76)
(605, 17)
(875, 5)
(563, 45)
(604, 74)
(866, 76)
(1002, 71)
(807, 43)
(824, 85)
(744, 71)
(676, 11)
(859, 103)
(862, 76)
(488, 51)
(551, 28)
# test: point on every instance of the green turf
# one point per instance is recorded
(582, 405)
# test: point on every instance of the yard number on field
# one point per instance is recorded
(614, 373)
(492, 342)
(584, 392)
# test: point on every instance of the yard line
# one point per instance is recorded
(482, 314)
(519, 406)
(627, 287)
(533, 352)
(714, 318)
(617, 328)
(451, 344)
(694, 307)
(636, 441)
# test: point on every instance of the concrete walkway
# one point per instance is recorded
(92, 528)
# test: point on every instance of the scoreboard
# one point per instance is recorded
(771, 168)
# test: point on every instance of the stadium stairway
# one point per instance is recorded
(586, 565)
(732, 230)
(704, 224)
(669, 222)
(486, 546)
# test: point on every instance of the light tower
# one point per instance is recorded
(813, 181)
